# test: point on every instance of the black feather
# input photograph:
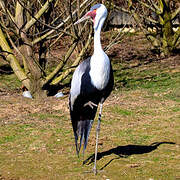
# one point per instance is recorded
(82, 119)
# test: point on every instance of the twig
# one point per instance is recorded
(112, 43)
(76, 62)
(60, 25)
(37, 16)
(17, 50)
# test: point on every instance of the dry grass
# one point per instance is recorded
(37, 141)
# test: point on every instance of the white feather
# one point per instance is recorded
(100, 70)
(75, 84)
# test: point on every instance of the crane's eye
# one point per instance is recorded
(92, 14)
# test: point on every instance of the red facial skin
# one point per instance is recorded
(92, 14)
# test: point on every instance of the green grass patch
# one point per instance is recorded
(157, 80)
(120, 111)
(11, 133)
(9, 82)
(44, 116)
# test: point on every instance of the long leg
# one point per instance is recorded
(97, 136)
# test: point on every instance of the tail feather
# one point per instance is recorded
(82, 130)
(87, 132)
(76, 142)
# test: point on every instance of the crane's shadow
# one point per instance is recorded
(125, 151)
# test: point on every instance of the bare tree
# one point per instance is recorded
(155, 18)
(29, 30)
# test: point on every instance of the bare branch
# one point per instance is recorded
(61, 64)
(38, 15)
(157, 9)
(76, 62)
(18, 51)
(6, 11)
(146, 5)
(13, 61)
(174, 14)
(60, 25)
(118, 37)
(176, 40)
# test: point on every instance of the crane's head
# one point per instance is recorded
(96, 13)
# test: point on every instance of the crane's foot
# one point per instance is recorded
(91, 104)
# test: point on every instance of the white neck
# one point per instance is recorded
(97, 37)
(100, 64)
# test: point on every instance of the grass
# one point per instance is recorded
(139, 136)
(9, 82)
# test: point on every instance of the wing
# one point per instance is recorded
(76, 81)
(81, 92)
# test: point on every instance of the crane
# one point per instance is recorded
(91, 84)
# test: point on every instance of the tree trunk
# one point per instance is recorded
(36, 89)
(167, 29)
(36, 76)
(13, 61)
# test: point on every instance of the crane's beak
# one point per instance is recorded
(85, 17)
